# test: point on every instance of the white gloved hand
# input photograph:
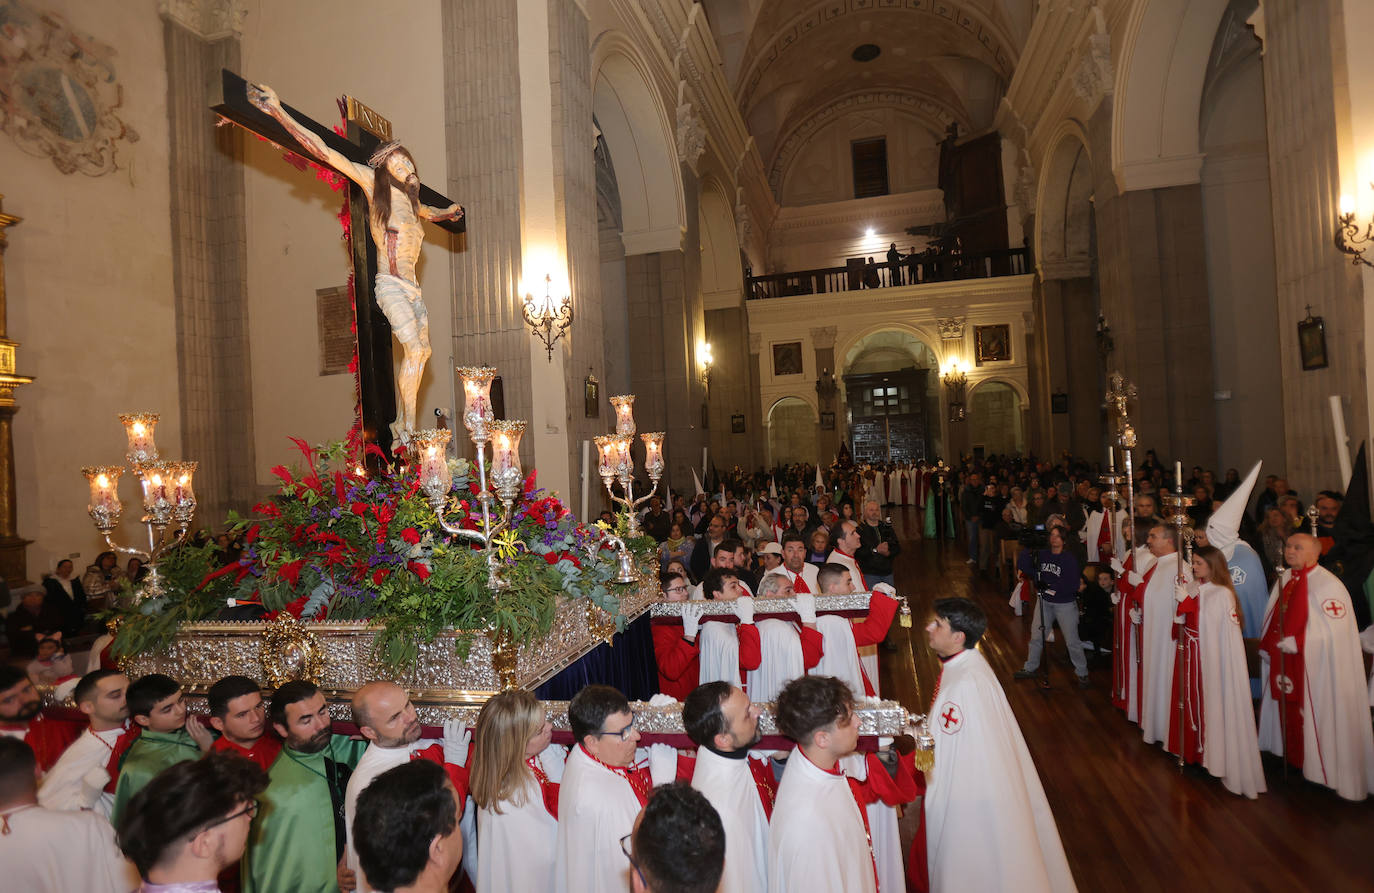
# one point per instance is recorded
(806, 607)
(1288, 645)
(744, 608)
(691, 620)
(1135, 578)
(1117, 567)
(1136, 616)
(1116, 597)
(457, 738)
(1179, 619)
(553, 758)
(1180, 591)
(885, 589)
(662, 764)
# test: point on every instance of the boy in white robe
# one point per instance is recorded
(819, 840)
(78, 779)
(988, 825)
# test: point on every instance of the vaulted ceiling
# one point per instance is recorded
(793, 63)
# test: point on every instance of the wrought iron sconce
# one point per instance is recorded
(548, 320)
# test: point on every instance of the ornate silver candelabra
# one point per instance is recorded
(615, 462)
(168, 499)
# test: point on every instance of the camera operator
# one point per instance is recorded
(1055, 572)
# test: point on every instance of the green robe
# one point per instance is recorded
(292, 846)
(146, 757)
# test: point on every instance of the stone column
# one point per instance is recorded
(827, 442)
(1307, 106)
(209, 262)
(1073, 366)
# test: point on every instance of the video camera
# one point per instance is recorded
(1034, 538)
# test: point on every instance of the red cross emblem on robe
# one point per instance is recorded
(1285, 684)
(1333, 608)
(951, 719)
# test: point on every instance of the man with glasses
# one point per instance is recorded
(678, 844)
(190, 823)
(601, 793)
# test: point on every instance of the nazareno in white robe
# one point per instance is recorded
(517, 851)
(1157, 649)
(718, 653)
(840, 657)
(729, 786)
(782, 660)
(817, 842)
(988, 824)
(1230, 750)
(77, 780)
(596, 807)
(882, 831)
(1338, 743)
(1093, 529)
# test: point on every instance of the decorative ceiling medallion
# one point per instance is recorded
(866, 52)
(58, 93)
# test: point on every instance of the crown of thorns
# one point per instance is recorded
(382, 152)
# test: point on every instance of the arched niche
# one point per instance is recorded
(639, 137)
(995, 417)
(903, 356)
(1064, 203)
(791, 432)
(722, 274)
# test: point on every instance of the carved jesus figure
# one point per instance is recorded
(392, 187)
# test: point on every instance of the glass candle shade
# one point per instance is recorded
(138, 427)
(624, 414)
(605, 455)
(624, 462)
(477, 412)
(156, 478)
(431, 451)
(505, 457)
(180, 489)
(105, 507)
(653, 453)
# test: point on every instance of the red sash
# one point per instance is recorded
(549, 789)
(1292, 608)
(1104, 535)
(799, 585)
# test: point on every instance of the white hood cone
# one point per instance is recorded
(1223, 528)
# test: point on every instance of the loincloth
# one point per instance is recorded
(404, 308)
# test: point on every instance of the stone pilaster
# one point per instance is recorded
(827, 442)
(209, 262)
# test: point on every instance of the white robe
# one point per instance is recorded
(988, 824)
(718, 653)
(782, 660)
(1093, 529)
(868, 655)
(1143, 561)
(729, 786)
(856, 576)
(882, 830)
(817, 842)
(1338, 743)
(1230, 750)
(77, 780)
(841, 657)
(596, 807)
(517, 851)
(808, 574)
(54, 850)
(1157, 649)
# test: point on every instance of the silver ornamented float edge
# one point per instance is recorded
(203, 653)
(764, 607)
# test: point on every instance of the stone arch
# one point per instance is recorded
(638, 134)
(722, 274)
(996, 416)
(1022, 394)
(1064, 204)
(1161, 68)
(928, 351)
(791, 424)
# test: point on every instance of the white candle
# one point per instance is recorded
(1342, 439)
(586, 484)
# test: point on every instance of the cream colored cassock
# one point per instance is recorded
(782, 661)
(882, 830)
(517, 852)
(869, 654)
(1230, 749)
(51, 850)
(817, 842)
(1338, 742)
(1093, 529)
(596, 807)
(78, 779)
(729, 786)
(988, 824)
(1158, 650)
(376, 760)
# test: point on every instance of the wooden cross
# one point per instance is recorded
(366, 130)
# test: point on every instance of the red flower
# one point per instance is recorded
(359, 508)
(551, 557)
(378, 576)
(281, 472)
(296, 607)
(411, 535)
(340, 489)
(384, 512)
(252, 534)
(353, 364)
(267, 509)
(420, 570)
(291, 571)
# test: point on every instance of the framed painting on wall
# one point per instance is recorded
(992, 344)
(787, 358)
(1312, 342)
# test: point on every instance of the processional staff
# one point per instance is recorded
(1183, 542)
(1119, 396)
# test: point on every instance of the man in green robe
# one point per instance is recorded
(165, 739)
(298, 836)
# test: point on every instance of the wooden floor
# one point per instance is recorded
(1129, 820)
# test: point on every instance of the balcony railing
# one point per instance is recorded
(918, 270)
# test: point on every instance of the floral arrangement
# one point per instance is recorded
(338, 543)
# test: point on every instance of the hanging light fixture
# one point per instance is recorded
(547, 319)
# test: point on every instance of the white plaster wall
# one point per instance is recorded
(312, 52)
(823, 170)
(89, 280)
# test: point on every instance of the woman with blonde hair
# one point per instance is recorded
(1218, 718)
(514, 775)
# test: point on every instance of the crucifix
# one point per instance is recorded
(387, 200)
